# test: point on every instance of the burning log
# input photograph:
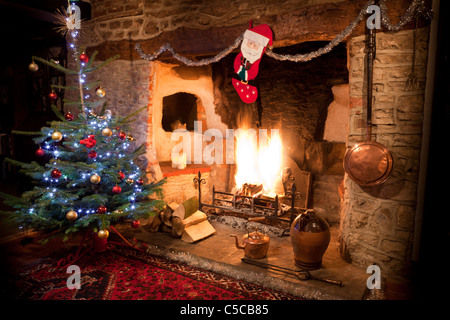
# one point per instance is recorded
(250, 190)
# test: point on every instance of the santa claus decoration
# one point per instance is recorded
(246, 63)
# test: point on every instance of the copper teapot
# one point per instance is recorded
(255, 244)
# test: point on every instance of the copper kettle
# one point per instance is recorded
(255, 244)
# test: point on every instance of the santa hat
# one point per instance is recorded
(261, 34)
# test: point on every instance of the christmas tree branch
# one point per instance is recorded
(92, 84)
(54, 65)
(123, 120)
(57, 112)
(26, 133)
(91, 59)
(57, 86)
(71, 102)
(101, 65)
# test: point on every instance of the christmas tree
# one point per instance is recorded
(91, 179)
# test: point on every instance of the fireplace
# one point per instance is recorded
(296, 99)
(318, 107)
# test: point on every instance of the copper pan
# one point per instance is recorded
(369, 163)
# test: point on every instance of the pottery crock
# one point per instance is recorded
(310, 237)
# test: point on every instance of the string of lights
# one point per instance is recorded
(95, 123)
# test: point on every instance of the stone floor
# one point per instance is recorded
(219, 253)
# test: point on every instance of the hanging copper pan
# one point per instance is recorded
(369, 163)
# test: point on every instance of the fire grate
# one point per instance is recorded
(252, 206)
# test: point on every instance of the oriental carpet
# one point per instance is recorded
(123, 273)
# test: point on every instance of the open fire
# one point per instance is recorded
(259, 187)
(258, 163)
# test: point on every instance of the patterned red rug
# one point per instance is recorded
(127, 274)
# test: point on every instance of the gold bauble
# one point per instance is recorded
(71, 215)
(100, 92)
(130, 138)
(130, 181)
(103, 234)
(57, 136)
(33, 67)
(107, 132)
(95, 178)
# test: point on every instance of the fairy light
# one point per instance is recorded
(95, 124)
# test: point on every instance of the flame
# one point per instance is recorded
(269, 160)
(258, 165)
(246, 158)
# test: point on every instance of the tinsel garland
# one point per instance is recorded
(415, 10)
(184, 60)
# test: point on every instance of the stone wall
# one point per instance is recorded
(377, 223)
(144, 19)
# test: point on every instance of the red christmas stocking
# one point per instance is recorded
(246, 63)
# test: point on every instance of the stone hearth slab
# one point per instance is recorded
(219, 254)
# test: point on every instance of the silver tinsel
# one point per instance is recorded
(184, 60)
(416, 9)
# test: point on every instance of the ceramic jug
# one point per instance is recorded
(310, 236)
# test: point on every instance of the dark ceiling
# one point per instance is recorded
(28, 22)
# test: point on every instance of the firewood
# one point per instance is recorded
(197, 232)
(166, 214)
(187, 208)
(154, 223)
(195, 218)
(177, 227)
(165, 228)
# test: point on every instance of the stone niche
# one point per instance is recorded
(181, 95)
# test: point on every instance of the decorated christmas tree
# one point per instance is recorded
(91, 179)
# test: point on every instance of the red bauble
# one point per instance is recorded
(135, 224)
(92, 154)
(116, 189)
(122, 135)
(68, 116)
(120, 175)
(52, 95)
(89, 142)
(56, 174)
(40, 152)
(102, 210)
(84, 57)
(140, 182)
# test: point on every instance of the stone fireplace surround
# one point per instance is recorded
(376, 224)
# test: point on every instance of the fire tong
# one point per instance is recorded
(300, 274)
